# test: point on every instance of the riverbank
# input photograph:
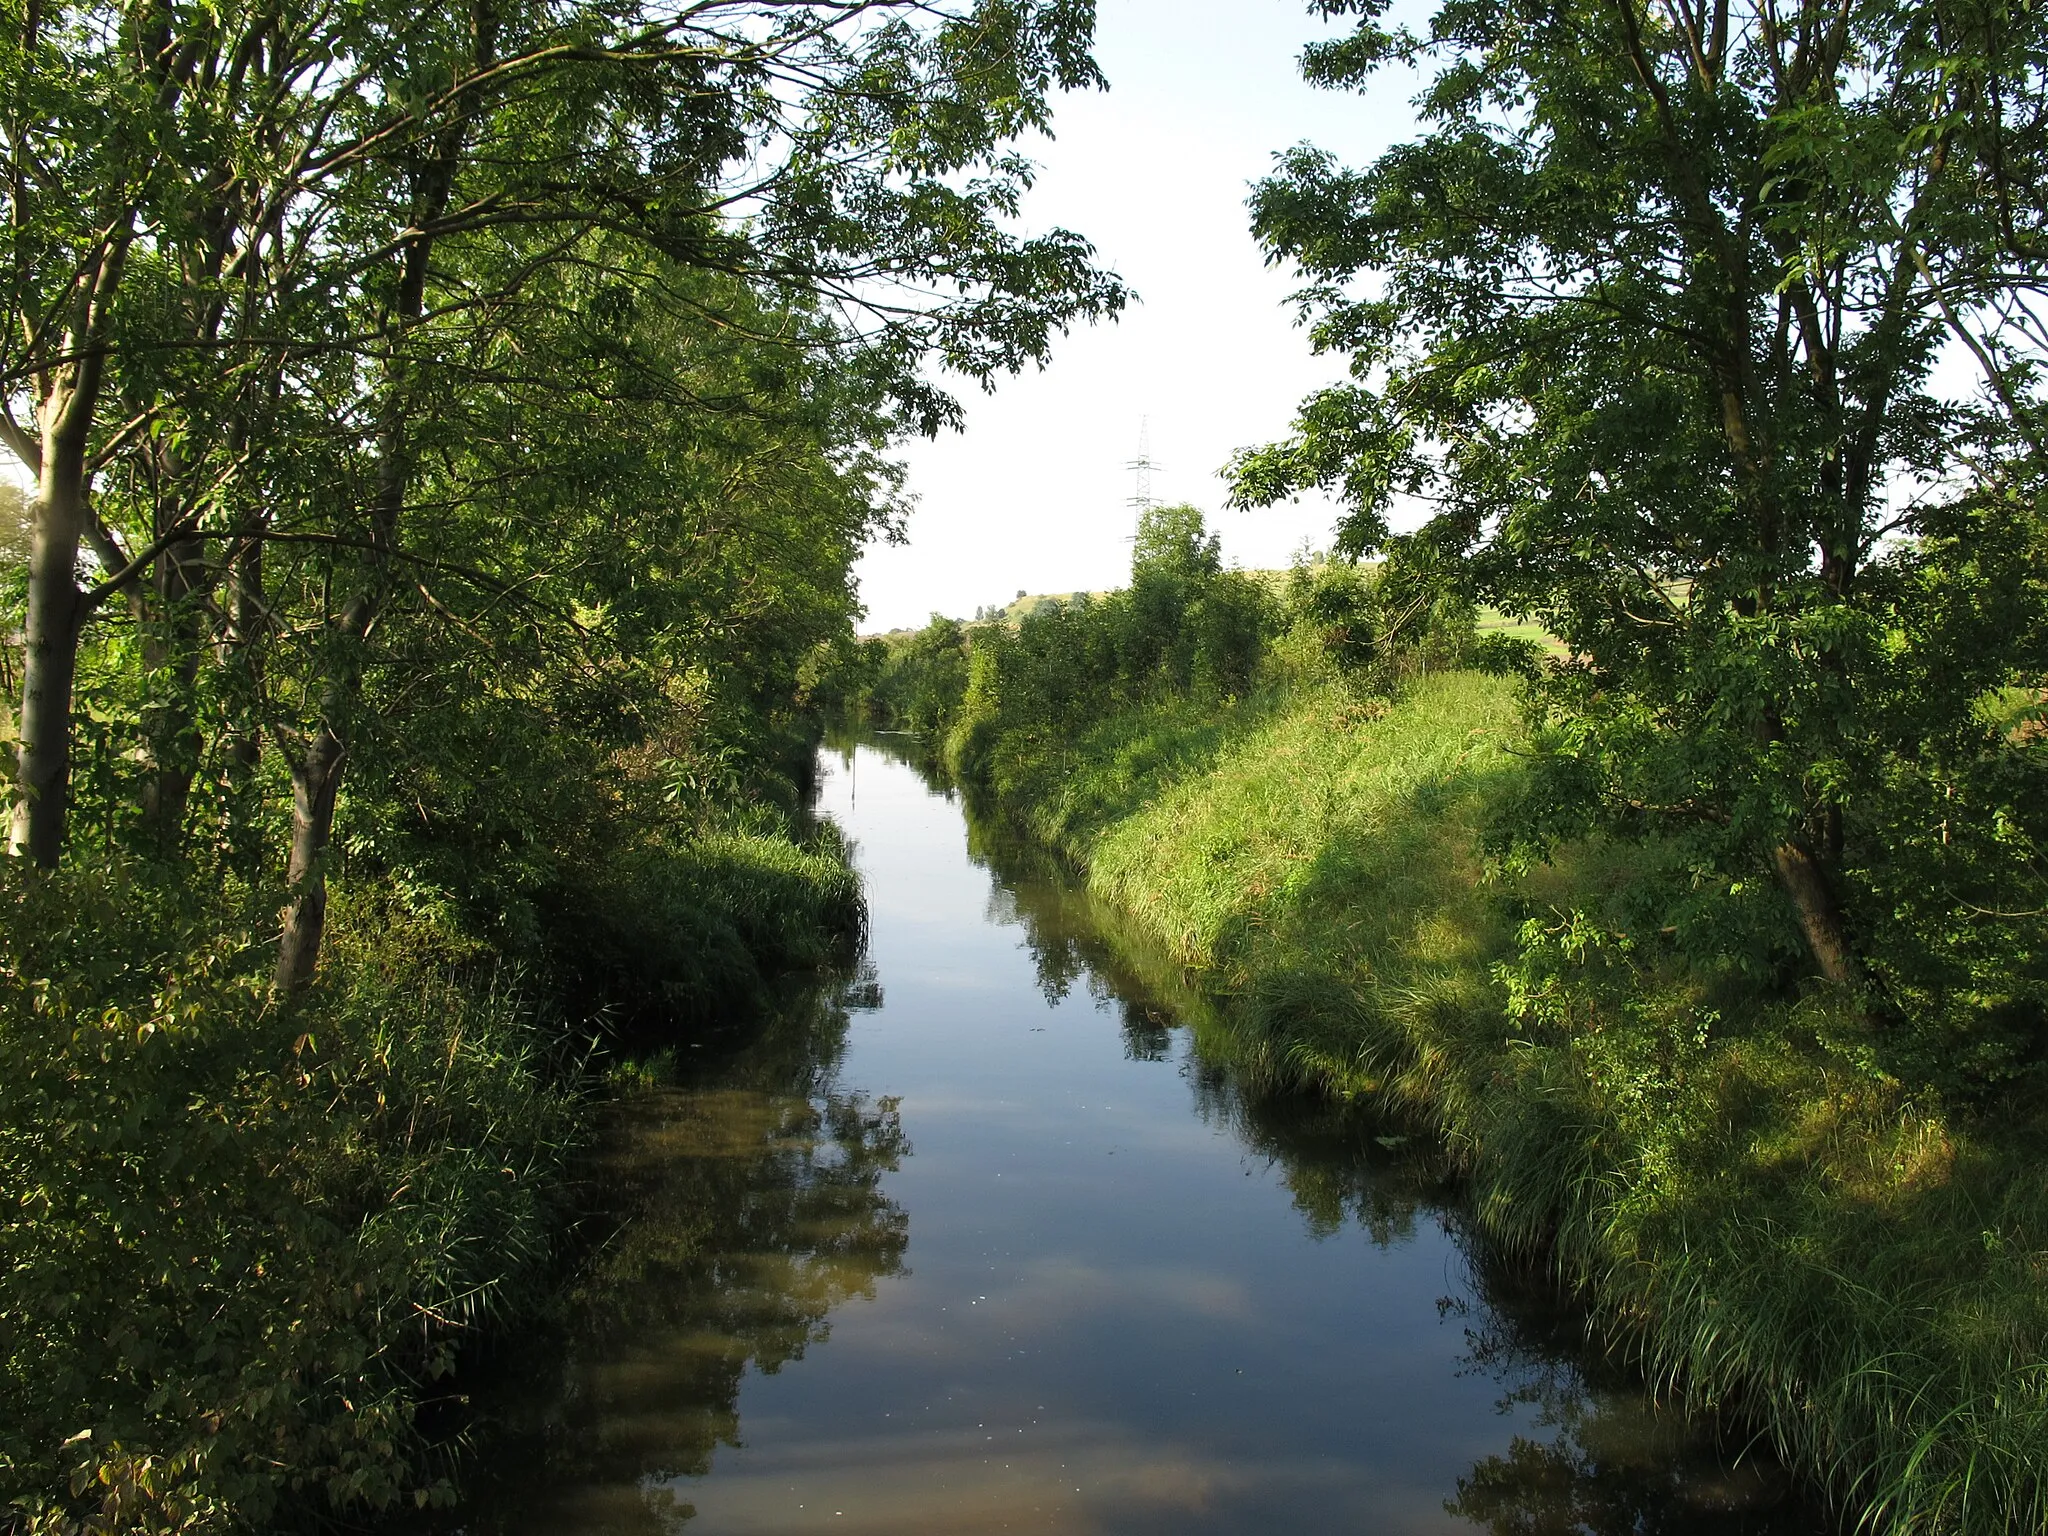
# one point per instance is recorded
(914, 1256)
(248, 1238)
(1749, 1208)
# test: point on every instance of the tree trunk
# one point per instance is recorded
(1806, 881)
(241, 645)
(316, 772)
(64, 417)
(239, 662)
(50, 662)
(171, 653)
(316, 779)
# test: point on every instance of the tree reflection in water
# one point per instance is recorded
(1619, 1464)
(747, 1202)
(744, 1211)
(1616, 1464)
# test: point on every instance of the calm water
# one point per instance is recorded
(978, 1243)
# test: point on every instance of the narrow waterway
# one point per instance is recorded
(979, 1242)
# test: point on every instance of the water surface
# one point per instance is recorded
(977, 1242)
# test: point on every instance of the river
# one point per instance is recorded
(978, 1241)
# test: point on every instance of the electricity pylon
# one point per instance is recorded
(1143, 466)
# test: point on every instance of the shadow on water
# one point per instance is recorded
(745, 1200)
(749, 1198)
(1616, 1462)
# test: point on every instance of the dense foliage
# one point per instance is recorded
(241, 1240)
(452, 427)
(992, 695)
(917, 681)
(1708, 332)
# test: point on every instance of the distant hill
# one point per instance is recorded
(1028, 604)
(1024, 605)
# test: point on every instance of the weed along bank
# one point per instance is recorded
(1481, 962)
(1340, 839)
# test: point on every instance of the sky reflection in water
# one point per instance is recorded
(980, 1243)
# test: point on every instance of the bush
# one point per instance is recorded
(243, 1237)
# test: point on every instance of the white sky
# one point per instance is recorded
(1034, 494)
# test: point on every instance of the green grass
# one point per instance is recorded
(242, 1240)
(1493, 622)
(672, 935)
(1755, 1220)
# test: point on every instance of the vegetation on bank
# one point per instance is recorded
(437, 567)
(1768, 1213)
(1771, 1225)
(1702, 336)
(250, 1237)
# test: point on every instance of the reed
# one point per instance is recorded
(243, 1238)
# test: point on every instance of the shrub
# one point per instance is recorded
(241, 1237)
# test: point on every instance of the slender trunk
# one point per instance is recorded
(316, 780)
(172, 656)
(316, 770)
(50, 661)
(1805, 879)
(316, 776)
(64, 416)
(241, 652)
(240, 662)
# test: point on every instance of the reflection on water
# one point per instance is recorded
(749, 1203)
(1150, 1294)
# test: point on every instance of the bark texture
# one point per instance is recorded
(55, 610)
(171, 651)
(316, 779)
(1805, 880)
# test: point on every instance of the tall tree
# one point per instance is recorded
(336, 206)
(1661, 311)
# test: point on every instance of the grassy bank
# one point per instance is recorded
(246, 1239)
(1759, 1215)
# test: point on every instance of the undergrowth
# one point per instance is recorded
(671, 935)
(1766, 1221)
(243, 1239)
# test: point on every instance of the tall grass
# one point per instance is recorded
(667, 935)
(241, 1240)
(1762, 1224)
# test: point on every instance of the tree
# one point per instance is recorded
(1173, 544)
(322, 226)
(1660, 299)
(1174, 559)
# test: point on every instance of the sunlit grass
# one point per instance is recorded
(1493, 622)
(1761, 1224)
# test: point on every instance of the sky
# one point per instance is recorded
(1034, 495)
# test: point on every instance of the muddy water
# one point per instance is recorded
(978, 1242)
